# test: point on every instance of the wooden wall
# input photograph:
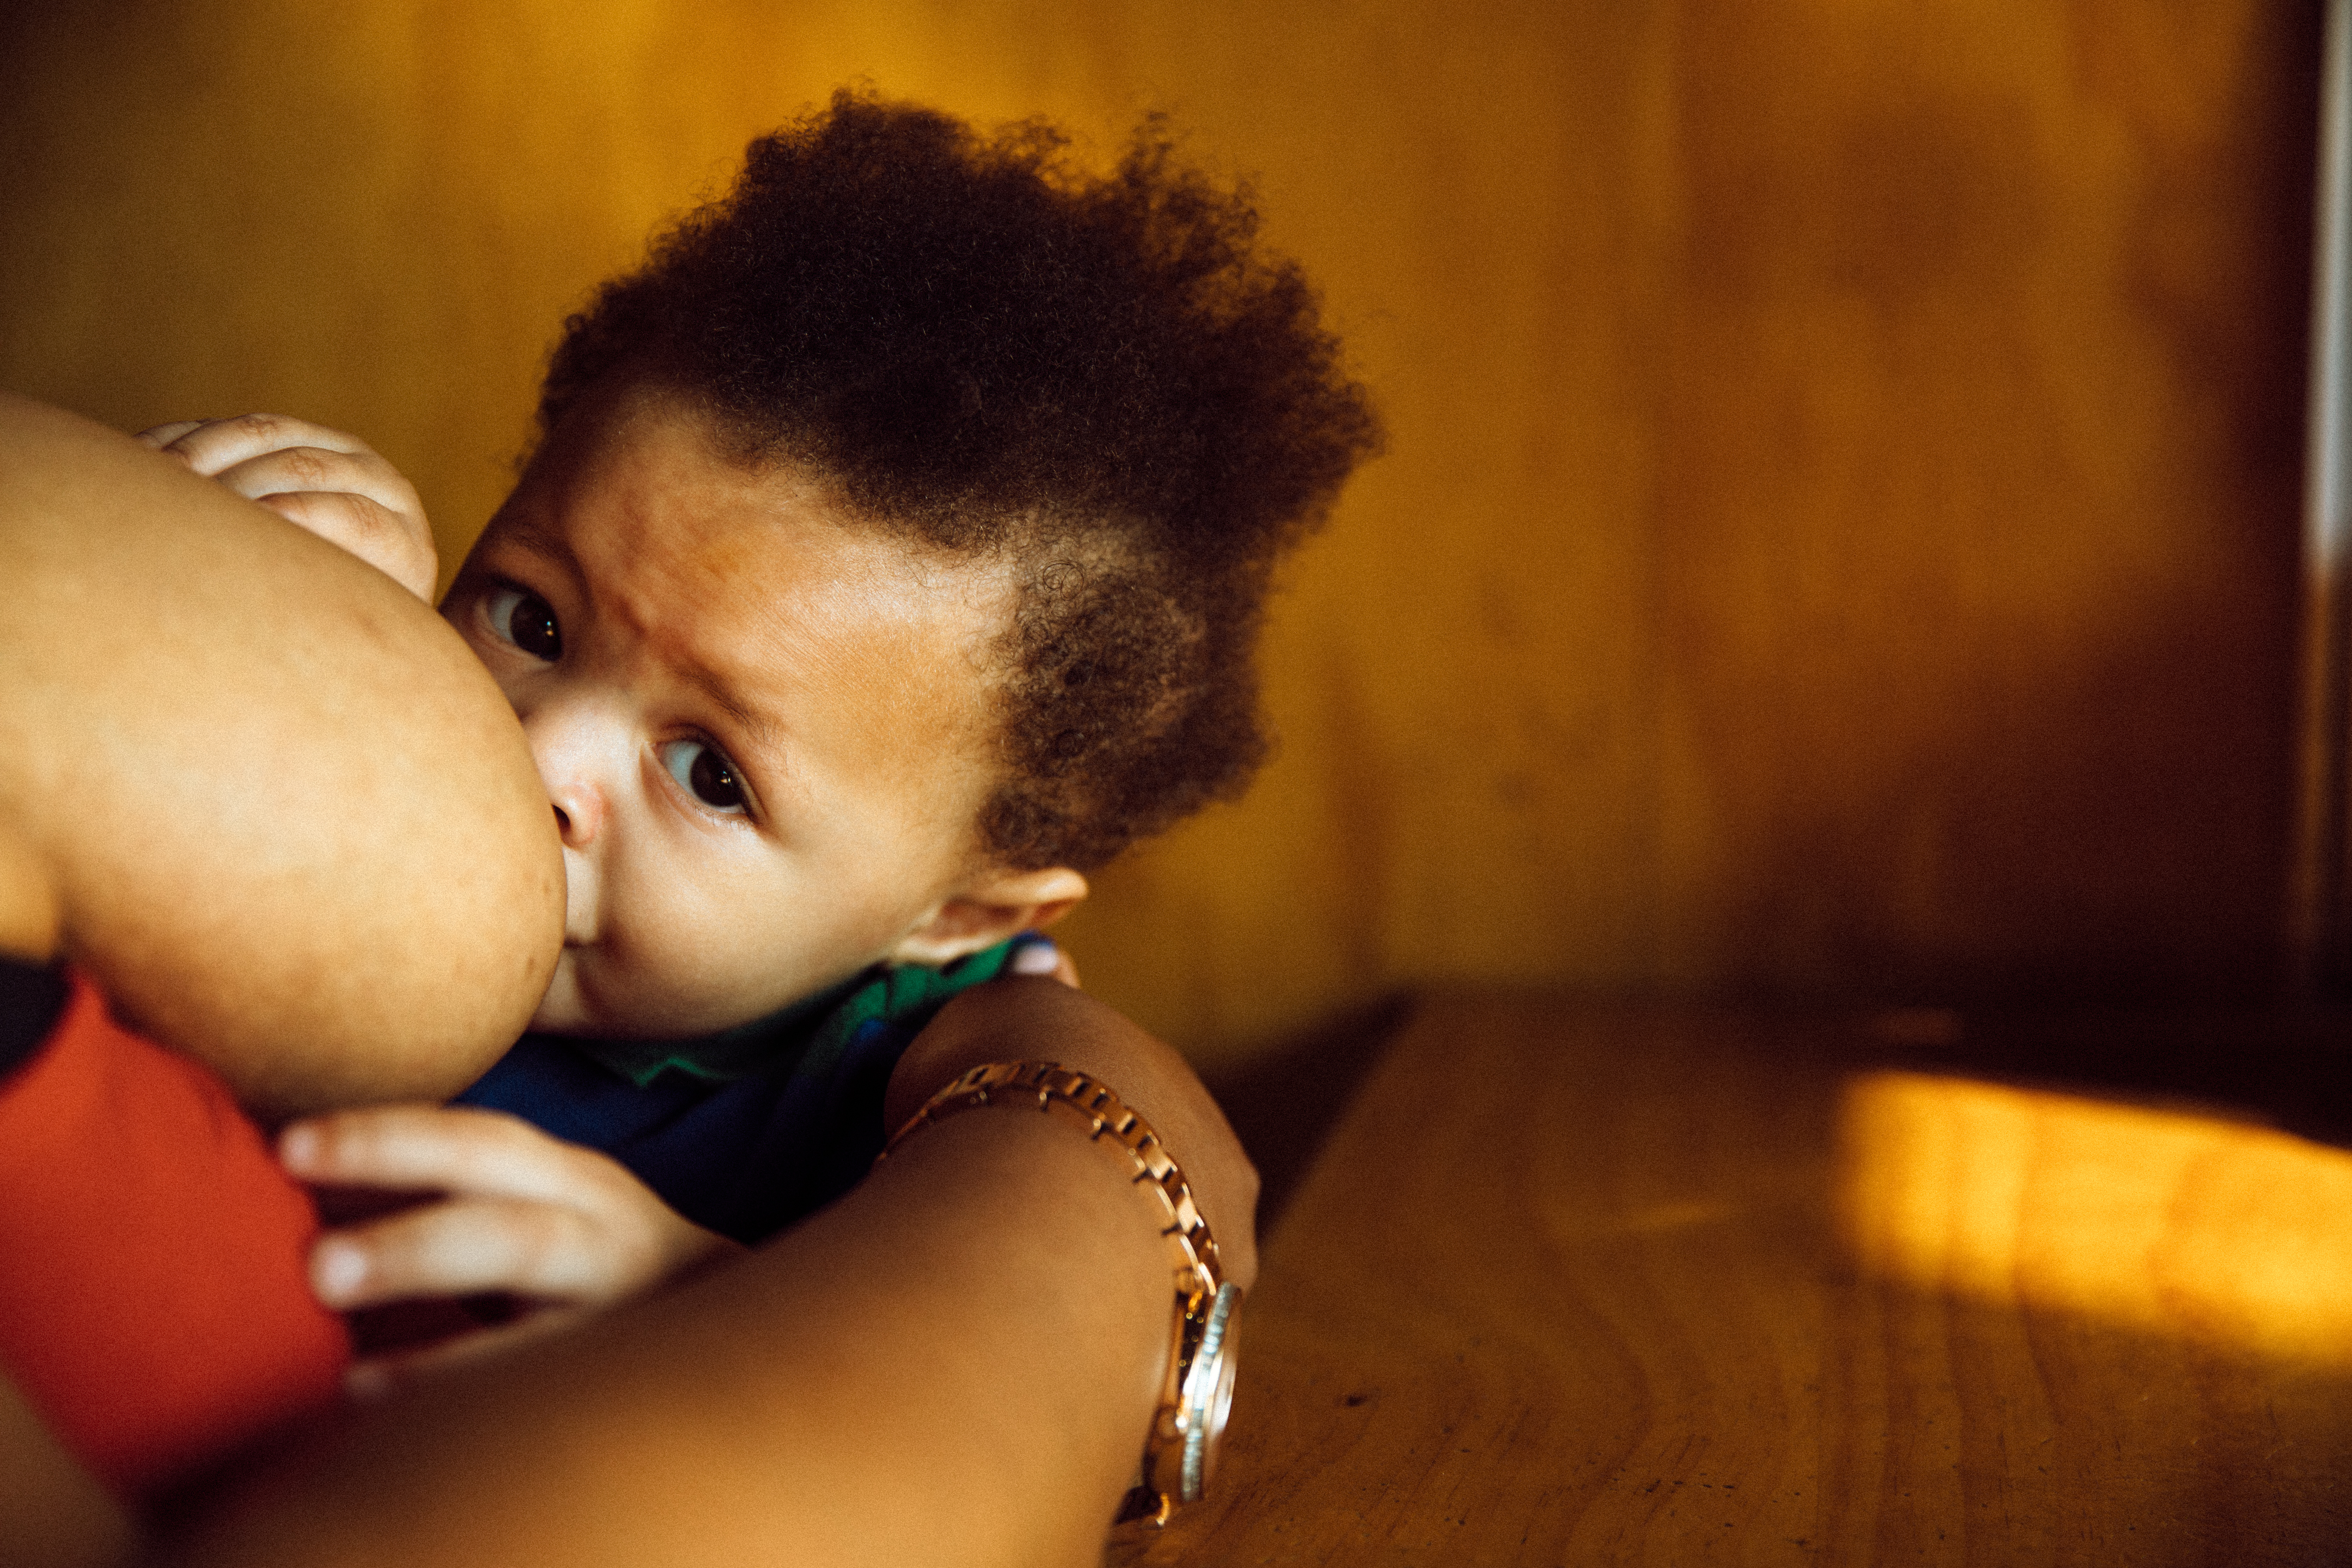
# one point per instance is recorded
(1839, 533)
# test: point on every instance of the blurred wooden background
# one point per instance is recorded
(1841, 531)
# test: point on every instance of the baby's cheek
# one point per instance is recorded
(561, 1008)
(661, 966)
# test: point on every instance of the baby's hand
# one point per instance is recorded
(323, 479)
(567, 1228)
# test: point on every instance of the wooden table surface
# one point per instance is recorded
(1572, 1284)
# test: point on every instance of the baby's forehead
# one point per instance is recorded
(674, 481)
(793, 593)
(760, 582)
(755, 582)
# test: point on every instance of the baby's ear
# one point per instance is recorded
(996, 905)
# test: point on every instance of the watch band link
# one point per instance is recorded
(1173, 1469)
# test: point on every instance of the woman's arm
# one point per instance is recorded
(52, 1513)
(957, 1363)
(575, 1233)
(1044, 1020)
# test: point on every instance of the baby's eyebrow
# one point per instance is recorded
(540, 539)
(549, 543)
(761, 730)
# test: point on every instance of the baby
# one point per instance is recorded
(891, 558)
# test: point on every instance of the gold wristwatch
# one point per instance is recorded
(1180, 1452)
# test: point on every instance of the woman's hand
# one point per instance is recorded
(567, 1229)
(321, 479)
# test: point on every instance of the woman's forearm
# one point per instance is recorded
(957, 1363)
(52, 1513)
(1039, 1019)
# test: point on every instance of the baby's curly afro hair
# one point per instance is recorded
(990, 348)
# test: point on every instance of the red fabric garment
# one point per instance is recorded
(154, 1302)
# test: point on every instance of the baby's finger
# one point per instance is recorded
(288, 469)
(338, 517)
(464, 1247)
(162, 436)
(456, 1149)
(392, 544)
(213, 446)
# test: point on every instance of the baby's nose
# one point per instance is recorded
(579, 810)
(568, 744)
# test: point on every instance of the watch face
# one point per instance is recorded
(1221, 1406)
(1208, 1394)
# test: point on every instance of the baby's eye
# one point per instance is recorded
(524, 620)
(706, 772)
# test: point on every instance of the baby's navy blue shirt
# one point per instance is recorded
(747, 1131)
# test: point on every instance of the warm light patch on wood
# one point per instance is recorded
(2167, 1222)
(1577, 1284)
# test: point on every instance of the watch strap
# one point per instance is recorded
(1174, 1463)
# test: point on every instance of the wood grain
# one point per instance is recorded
(1839, 533)
(1573, 1285)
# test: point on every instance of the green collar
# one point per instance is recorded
(810, 1033)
